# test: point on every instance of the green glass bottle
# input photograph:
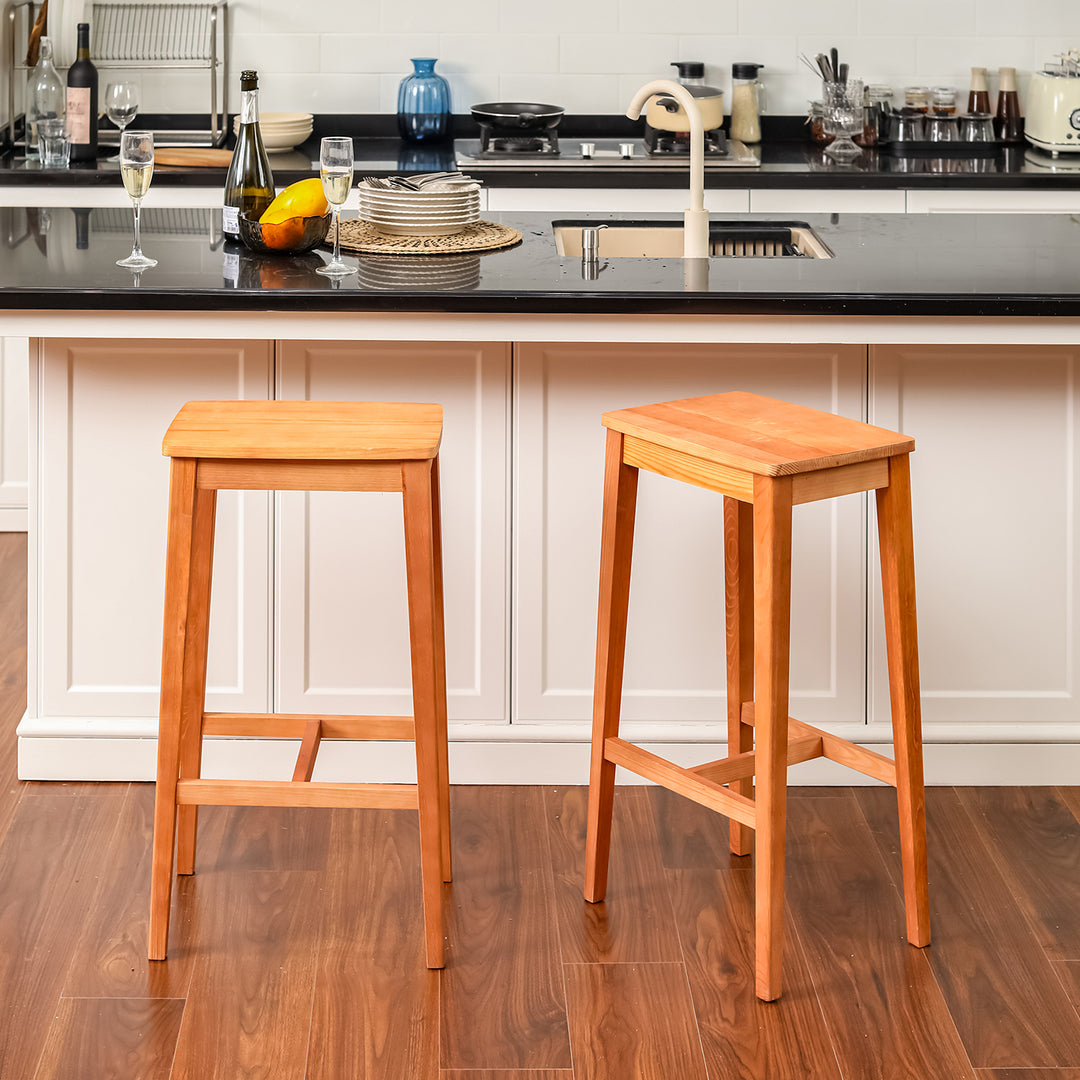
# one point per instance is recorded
(249, 185)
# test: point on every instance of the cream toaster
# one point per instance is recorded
(1052, 122)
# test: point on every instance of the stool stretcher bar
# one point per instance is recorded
(293, 726)
(295, 793)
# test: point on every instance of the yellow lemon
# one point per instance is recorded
(305, 198)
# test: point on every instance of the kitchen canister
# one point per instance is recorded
(423, 105)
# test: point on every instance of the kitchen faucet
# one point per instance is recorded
(696, 217)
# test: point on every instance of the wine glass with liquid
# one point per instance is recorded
(121, 104)
(136, 170)
(336, 162)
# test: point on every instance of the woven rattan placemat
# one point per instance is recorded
(361, 238)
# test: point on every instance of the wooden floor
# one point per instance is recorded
(297, 948)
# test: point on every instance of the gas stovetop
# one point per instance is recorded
(573, 153)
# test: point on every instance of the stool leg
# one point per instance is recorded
(739, 597)
(440, 672)
(772, 628)
(898, 590)
(416, 477)
(173, 651)
(193, 704)
(616, 549)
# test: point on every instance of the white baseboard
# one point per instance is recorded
(13, 519)
(127, 752)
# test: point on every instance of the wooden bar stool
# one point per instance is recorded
(306, 446)
(763, 456)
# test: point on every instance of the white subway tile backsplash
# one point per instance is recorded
(375, 54)
(685, 17)
(610, 54)
(465, 53)
(591, 55)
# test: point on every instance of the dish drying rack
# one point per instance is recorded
(148, 37)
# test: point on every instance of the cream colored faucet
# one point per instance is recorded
(696, 217)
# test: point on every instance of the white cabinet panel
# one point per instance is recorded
(342, 629)
(995, 497)
(993, 202)
(630, 200)
(101, 526)
(675, 648)
(14, 416)
(826, 201)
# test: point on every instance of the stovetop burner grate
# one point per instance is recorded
(499, 140)
(678, 142)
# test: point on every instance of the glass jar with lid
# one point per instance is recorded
(747, 102)
(943, 100)
(917, 97)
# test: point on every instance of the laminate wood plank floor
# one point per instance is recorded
(297, 948)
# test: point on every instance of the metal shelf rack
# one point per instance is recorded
(142, 36)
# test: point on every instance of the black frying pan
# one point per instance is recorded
(525, 116)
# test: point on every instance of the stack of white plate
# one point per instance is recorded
(436, 210)
(282, 131)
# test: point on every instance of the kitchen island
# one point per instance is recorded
(963, 331)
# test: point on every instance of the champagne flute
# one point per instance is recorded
(336, 161)
(136, 170)
(121, 104)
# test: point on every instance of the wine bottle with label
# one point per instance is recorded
(82, 95)
(249, 185)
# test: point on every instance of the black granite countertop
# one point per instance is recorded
(895, 265)
(788, 160)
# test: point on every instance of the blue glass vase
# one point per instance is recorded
(423, 104)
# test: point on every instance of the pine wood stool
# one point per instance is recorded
(305, 446)
(763, 456)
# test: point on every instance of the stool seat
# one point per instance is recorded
(758, 434)
(305, 430)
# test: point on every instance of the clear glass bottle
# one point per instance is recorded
(423, 104)
(747, 102)
(249, 183)
(46, 98)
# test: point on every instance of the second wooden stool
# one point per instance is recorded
(764, 456)
(298, 446)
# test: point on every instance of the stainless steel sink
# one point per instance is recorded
(664, 239)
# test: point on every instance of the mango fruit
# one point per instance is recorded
(305, 198)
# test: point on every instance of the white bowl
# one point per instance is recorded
(282, 131)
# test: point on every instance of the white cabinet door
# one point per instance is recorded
(342, 621)
(947, 201)
(14, 415)
(995, 495)
(825, 201)
(675, 646)
(101, 521)
(628, 200)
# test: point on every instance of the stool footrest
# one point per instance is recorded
(724, 770)
(293, 793)
(294, 726)
(682, 781)
(843, 752)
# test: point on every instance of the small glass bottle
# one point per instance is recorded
(978, 95)
(423, 104)
(746, 103)
(815, 117)
(1008, 125)
(46, 98)
(943, 100)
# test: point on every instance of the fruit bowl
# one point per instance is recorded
(289, 237)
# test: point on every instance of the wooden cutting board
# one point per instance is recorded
(192, 156)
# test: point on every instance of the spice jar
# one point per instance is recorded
(943, 100)
(978, 95)
(917, 97)
(815, 117)
(1007, 123)
(747, 103)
